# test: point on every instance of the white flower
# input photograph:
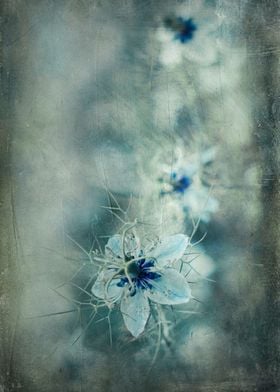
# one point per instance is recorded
(189, 34)
(136, 276)
(184, 184)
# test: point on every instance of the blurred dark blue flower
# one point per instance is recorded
(184, 28)
(185, 183)
(180, 184)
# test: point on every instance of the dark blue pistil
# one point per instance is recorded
(180, 184)
(141, 275)
(184, 28)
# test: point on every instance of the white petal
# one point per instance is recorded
(171, 54)
(108, 292)
(114, 246)
(189, 169)
(170, 289)
(208, 155)
(200, 268)
(197, 200)
(170, 248)
(202, 50)
(164, 35)
(132, 245)
(135, 310)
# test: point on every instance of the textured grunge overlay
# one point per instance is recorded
(104, 104)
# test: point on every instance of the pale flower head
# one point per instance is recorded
(137, 275)
(183, 182)
(190, 33)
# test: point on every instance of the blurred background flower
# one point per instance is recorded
(190, 34)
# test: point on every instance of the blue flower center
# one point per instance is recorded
(184, 28)
(140, 274)
(180, 184)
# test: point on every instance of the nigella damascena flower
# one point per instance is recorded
(185, 184)
(137, 276)
(189, 34)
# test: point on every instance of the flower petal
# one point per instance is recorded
(170, 289)
(114, 246)
(170, 248)
(135, 310)
(108, 292)
(132, 245)
(197, 201)
(208, 155)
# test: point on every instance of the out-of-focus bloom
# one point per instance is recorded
(199, 268)
(184, 183)
(184, 28)
(136, 275)
(189, 34)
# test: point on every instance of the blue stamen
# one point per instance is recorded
(182, 184)
(122, 282)
(142, 275)
(184, 28)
